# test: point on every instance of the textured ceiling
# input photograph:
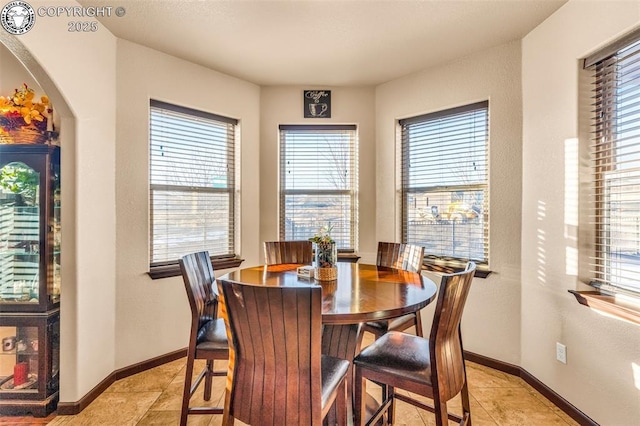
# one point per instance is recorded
(356, 42)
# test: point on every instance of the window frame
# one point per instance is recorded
(352, 192)
(605, 121)
(603, 298)
(445, 264)
(170, 267)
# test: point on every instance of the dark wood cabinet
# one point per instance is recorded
(29, 278)
(29, 363)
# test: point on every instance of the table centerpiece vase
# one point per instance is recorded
(326, 255)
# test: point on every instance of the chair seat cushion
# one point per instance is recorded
(333, 370)
(212, 336)
(400, 355)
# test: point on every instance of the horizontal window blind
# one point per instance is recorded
(318, 182)
(616, 170)
(192, 183)
(445, 199)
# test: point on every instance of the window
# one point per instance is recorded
(615, 165)
(318, 183)
(192, 183)
(445, 198)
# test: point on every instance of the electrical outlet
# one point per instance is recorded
(561, 352)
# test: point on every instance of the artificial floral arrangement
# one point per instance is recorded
(323, 235)
(19, 112)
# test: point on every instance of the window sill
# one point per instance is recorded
(622, 307)
(173, 270)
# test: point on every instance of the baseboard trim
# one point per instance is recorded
(545, 390)
(72, 408)
(505, 367)
(149, 364)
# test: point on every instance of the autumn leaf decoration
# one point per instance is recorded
(20, 110)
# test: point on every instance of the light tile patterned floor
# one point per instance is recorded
(153, 398)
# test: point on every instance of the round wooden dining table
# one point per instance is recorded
(361, 293)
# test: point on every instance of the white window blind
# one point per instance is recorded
(615, 165)
(318, 182)
(192, 183)
(445, 198)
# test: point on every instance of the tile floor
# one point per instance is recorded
(153, 397)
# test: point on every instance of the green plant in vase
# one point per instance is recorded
(326, 254)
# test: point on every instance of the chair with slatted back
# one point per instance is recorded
(207, 338)
(279, 252)
(277, 374)
(432, 367)
(407, 257)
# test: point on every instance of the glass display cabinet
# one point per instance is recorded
(29, 278)
(29, 228)
(29, 363)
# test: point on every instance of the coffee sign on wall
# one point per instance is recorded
(317, 104)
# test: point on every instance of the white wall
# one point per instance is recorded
(13, 74)
(145, 306)
(349, 105)
(77, 71)
(514, 316)
(602, 374)
(491, 319)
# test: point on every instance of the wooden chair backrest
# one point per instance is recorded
(407, 257)
(445, 340)
(202, 292)
(274, 363)
(278, 252)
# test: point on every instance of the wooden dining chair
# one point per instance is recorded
(278, 252)
(277, 375)
(407, 257)
(432, 367)
(207, 338)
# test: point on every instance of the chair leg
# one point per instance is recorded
(186, 393)
(358, 400)
(442, 416)
(208, 379)
(227, 419)
(419, 324)
(466, 405)
(392, 408)
(341, 404)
